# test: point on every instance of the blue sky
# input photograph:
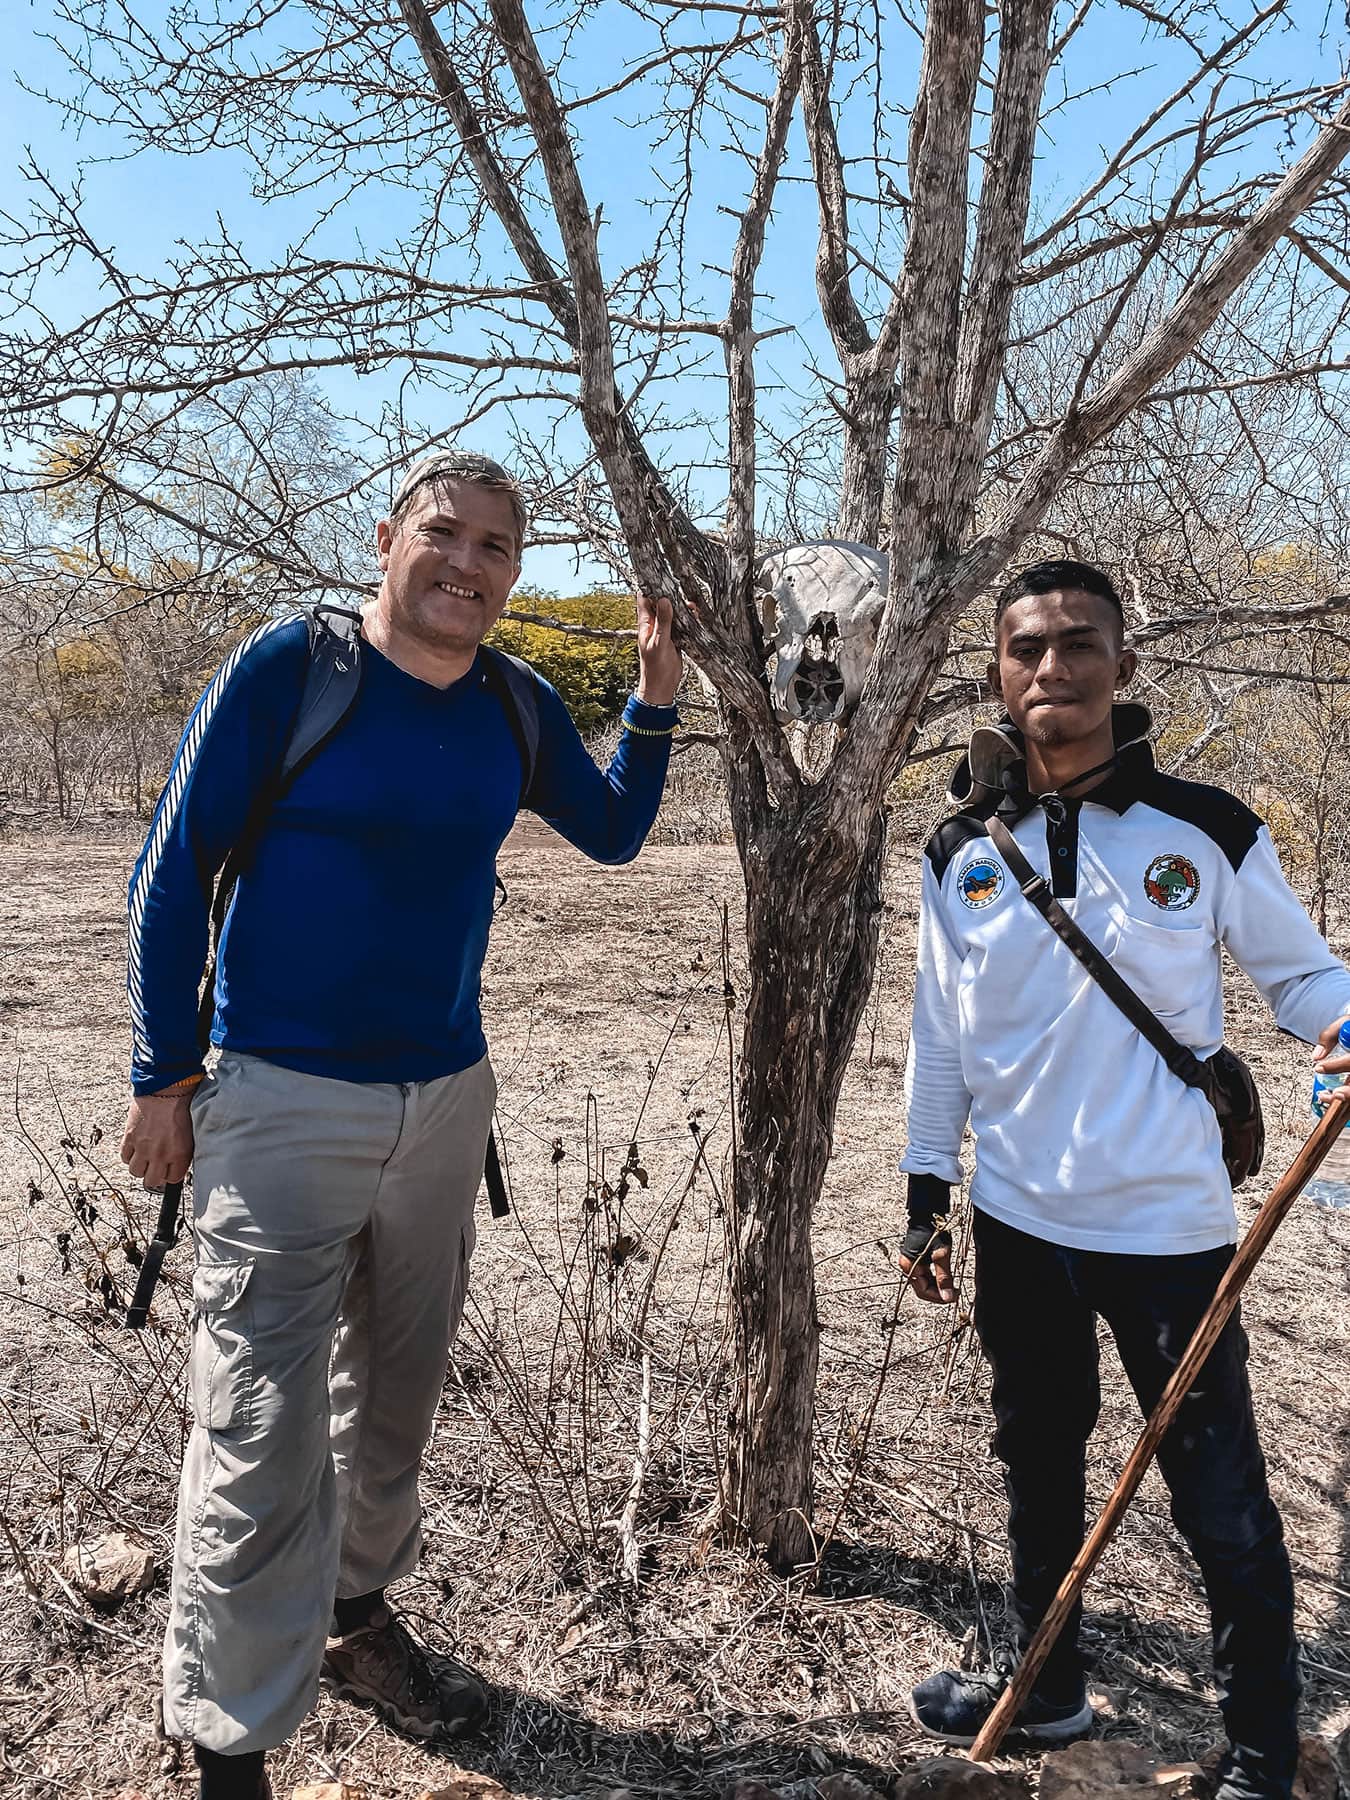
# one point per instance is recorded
(143, 205)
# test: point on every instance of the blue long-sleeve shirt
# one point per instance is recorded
(355, 940)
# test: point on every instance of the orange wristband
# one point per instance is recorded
(185, 1086)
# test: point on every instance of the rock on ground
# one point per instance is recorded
(954, 1778)
(1319, 1777)
(464, 1784)
(108, 1569)
(1107, 1767)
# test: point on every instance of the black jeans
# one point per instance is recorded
(1036, 1306)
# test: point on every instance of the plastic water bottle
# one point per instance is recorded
(1331, 1184)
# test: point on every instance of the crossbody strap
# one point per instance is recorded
(1182, 1062)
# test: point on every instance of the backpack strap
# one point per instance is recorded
(332, 682)
(516, 686)
(1183, 1063)
(498, 1194)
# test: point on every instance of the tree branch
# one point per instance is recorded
(1119, 159)
(1164, 347)
(1005, 198)
(841, 312)
(1318, 261)
(661, 540)
(922, 325)
(739, 337)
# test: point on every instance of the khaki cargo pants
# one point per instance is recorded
(333, 1224)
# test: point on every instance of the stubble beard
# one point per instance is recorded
(1046, 725)
(418, 619)
(1048, 730)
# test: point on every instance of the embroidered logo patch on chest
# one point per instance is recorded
(1172, 882)
(980, 883)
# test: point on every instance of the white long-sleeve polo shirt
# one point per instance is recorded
(1083, 1136)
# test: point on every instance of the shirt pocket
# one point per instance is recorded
(221, 1367)
(1174, 969)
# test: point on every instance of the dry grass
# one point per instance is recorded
(609, 1029)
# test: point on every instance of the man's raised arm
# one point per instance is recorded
(609, 814)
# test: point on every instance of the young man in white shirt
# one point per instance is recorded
(1099, 1185)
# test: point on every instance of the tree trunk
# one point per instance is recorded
(869, 405)
(812, 929)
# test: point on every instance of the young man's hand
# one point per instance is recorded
(1328, 1057)
(157, 1142)
(928, 1263)
(660, 665)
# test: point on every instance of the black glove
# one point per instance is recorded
(929, 1201)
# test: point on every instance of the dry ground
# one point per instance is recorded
(608, 1025)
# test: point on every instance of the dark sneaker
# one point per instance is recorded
(231, 1777)
(414, 1689)
(953, 1707)
(1245, 1775)
(263, 1791)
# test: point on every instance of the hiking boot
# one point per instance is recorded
(953, 1707)
(412, 1688)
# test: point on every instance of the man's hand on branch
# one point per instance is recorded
(157, 1142)
(660, 665)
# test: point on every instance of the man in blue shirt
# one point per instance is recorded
(339, 1142)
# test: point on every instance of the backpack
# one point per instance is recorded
(332, 683)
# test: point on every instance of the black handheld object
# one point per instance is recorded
(166, 1236)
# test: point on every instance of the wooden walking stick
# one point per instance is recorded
(1263, 1228)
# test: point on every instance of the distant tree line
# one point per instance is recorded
(90, 713)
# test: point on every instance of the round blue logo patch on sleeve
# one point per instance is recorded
(980, 883)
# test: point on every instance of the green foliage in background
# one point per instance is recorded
(594, 675)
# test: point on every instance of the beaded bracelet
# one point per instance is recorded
(652, 730)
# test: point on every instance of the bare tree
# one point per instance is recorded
(941, 273)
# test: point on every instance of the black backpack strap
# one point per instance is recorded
(498, 1197)
(332, 682)
(1183, 1063)
(517, 688)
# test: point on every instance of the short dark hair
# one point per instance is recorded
(461, 465)
(1050, 577)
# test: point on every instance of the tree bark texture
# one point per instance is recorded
(812, 933)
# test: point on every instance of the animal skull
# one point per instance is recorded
(822, 602)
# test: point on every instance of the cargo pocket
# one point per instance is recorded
(222, 1351)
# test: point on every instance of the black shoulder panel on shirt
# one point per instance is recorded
(1220, 815)
(947, 840)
